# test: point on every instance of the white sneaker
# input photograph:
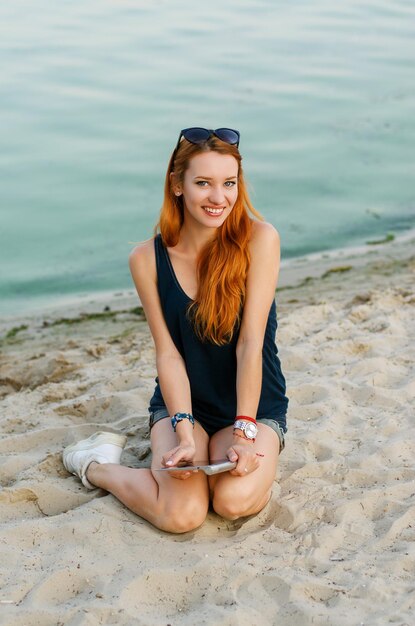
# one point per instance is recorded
(100, 447)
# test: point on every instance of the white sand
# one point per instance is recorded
(334, 546)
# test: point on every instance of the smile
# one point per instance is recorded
(214, 212)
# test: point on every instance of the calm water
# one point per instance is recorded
(93, 95)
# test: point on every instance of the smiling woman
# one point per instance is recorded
(210, 187)
(222, 260)
(207, 283)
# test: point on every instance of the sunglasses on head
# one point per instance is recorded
(200, 135)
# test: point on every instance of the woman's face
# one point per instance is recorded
(210, 188)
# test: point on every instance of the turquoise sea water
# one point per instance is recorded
(93, 95)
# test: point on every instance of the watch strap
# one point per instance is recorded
(244, 427)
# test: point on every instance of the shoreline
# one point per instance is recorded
(293, 273)
(317, 263)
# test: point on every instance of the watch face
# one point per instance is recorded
(251, 430)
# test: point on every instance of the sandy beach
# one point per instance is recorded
(335, 545)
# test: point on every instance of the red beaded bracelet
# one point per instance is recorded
(243, 437)
(245, 418)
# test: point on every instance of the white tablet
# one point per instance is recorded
(216, 467)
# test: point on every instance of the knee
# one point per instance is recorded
(227, 499)
(229, 509)
(231, 504)
(183, 518)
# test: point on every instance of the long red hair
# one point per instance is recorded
(223, 263)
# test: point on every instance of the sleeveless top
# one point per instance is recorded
(212, 369)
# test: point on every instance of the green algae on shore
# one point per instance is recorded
(83, 317)
(11, 334)
(389, 237)
(337, 270)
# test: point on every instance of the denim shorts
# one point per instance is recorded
(161, 413)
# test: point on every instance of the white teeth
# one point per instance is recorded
(213, 211)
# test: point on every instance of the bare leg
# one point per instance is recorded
(239, 496)
(170, 504)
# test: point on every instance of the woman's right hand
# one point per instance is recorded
(183, 454)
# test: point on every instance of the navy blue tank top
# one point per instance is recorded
(212, 369)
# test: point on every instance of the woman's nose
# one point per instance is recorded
(217, 195)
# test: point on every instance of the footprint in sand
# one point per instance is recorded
(107, 408)
(126, 381)
(365, 395)
(61, 587)
(65, 391)
(283, 518)
(293, 361)
(309, 413)
(269, 591)
(308, 394)
(49, 368)
(320, 451)
(42, 499)
(379, 372)
(160, 591)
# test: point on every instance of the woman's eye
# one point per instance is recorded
(228, 183)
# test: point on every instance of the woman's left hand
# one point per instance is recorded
(246, 457)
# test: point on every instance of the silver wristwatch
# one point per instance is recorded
(249, 429)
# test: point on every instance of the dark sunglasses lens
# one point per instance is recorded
(196, 135)
(228, 135)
